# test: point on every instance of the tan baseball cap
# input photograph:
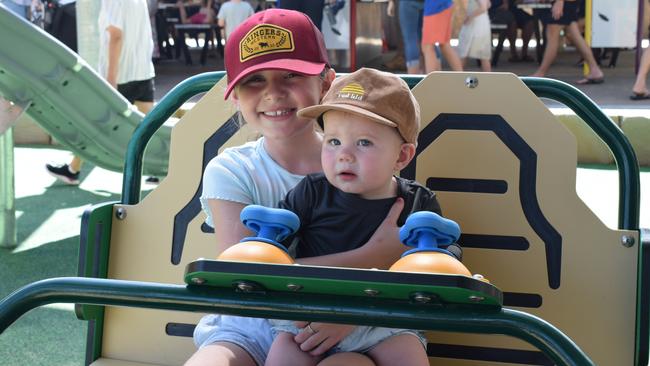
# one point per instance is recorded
(380, 96)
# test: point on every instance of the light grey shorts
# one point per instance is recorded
(361, 340)
(252, 334)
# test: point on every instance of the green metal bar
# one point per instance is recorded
(629, 196)
(152, 122)
(7, 194)
(296, 306)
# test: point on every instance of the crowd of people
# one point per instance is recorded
(426, 27)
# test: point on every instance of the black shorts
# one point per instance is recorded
(569, 14)
(140, 90)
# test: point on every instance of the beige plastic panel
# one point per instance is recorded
(595, 304)
(141, 244)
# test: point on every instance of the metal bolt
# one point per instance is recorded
(474, 298)
(198, 280)
(120, 213)
(627, 241)
(471, 82)
(245, 287)
(294, 287)
(421, 297)
(371, 292)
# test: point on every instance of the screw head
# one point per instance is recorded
(421, 297)
(474, 298)
(294, 287)
(627, 241)
(120, 213)
(471, 82)
(245, 287)
(198, 280)
(371, 292)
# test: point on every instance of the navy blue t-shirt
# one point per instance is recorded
(332, 221)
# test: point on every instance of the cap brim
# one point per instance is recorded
(317, 110)
(298, 66)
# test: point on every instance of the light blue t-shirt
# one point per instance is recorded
(246, 174)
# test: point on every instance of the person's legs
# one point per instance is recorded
(550, 51)
(486, 65)
(527, 31)
(595, 73)
(286, 352)
(221, 354)
(399, 350)
(410, 22)
(640, 87)
(451, 56)
(347, 358)
(431, 62)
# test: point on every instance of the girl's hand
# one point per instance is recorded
(557, 9)
(318, 338)
(384, 246)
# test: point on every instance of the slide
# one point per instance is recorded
(69, 99)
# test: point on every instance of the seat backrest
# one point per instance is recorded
(503, 168)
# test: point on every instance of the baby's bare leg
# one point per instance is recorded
(347, 358)
(286, 352)
(402, 349)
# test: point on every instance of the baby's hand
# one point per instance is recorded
(318, 338)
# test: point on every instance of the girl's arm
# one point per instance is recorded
(228, 228)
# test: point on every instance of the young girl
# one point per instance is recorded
(436, 30)
(276, 64)
(475, 37)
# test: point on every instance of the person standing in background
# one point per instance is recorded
(410, 14)
(436, 30)
(231, 14)
(124, 62)
(475, 37)
(313, 8)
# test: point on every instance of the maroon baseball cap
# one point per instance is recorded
(277, 39)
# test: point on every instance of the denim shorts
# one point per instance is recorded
(361, 340)
(251, 334)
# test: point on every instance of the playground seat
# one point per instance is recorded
(504, 169)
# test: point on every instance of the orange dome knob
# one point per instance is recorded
(430, 262)
(256, 251)
(271, 225)
(428, 232)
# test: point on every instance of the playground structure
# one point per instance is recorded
(574, 291)
(507, 175)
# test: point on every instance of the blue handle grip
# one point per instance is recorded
(426, 230)
(273, 224)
